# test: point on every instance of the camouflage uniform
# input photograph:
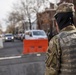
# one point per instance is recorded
(60, 60)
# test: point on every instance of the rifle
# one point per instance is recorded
(49, 59)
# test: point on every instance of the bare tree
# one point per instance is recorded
(10, 29)
(27, 7)
(0, 28)
(26, 10)
(23, 10)
(13, 18)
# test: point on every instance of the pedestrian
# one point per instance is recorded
(61, 53)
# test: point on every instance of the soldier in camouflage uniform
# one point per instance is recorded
(61, 53)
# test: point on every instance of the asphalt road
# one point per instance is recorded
(12, 62)
(11, 48)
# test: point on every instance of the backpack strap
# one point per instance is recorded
(58, 51)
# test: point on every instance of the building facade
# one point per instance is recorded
(45, 20)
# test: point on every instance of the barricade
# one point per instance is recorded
(1, 43)
(34, 45)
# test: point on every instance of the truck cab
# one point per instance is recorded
(35, 34)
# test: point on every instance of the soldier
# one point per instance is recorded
(61, 53)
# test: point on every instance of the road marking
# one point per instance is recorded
(12, 57)
(38, 54)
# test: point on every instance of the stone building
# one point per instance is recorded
(45, 20)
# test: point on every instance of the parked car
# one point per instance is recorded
(35, 34)
(19, 36)
(22, 36)
(15, 36)
(9, 37)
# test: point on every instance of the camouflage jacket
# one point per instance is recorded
(53, 54)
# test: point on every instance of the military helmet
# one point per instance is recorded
(65, 13)
(65, 7)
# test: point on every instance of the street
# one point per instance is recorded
(12, 62)
(11, 48)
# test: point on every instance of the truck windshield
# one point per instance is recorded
(39, 33)
(8, 35)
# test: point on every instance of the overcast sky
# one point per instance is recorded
(6, 6)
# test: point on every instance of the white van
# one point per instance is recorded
(35, 34)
